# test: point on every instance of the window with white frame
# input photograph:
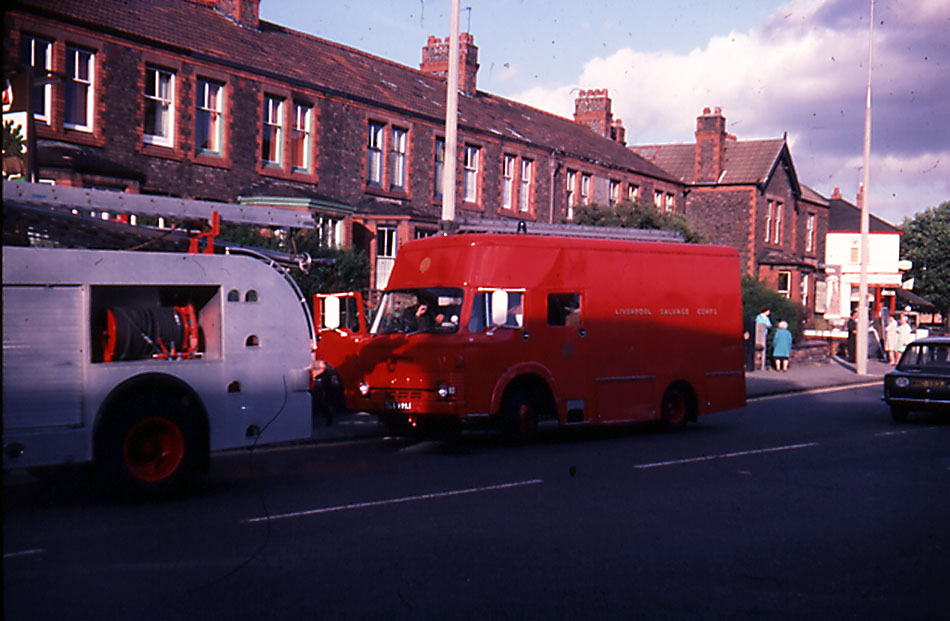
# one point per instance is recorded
(386, 247)
(386, 242)
(614, 192)
(470, 174)
(777, 236)
(773, 222)
(209, 117)
(38, 54)
(300, 137)
(633, 193)
(805, 290)
(524, 195)
(79, 89)
(658, 199)
(810, 232)
(374, 153)
(328, 231)
(272, 137)
(785, 284)
(670, 203)
(423, 233)
(585, 189)
(159, 107)
(397, 159)
(438, 167)
(569, 187)
(507, 180)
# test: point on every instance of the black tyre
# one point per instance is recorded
(519, 414)
(898, 414)
(149, 446)
(675, 409)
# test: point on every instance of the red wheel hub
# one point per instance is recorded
(153, 449)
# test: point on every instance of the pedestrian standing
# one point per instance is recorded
(762, 326)
(890, 340)
(782, 346)
(904, 335)
(748, 341)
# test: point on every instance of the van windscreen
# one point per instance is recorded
(429, 309)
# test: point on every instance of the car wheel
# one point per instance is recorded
(898, 414)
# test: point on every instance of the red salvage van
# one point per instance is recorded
(510, 329)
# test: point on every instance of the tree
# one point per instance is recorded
(347, 270)
(640, 215)
(13, 150)
(926, 243)
(757, 295)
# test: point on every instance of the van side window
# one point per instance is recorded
(497, 309)
(564, 309)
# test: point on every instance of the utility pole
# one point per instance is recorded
(861, 341)
(451, 125)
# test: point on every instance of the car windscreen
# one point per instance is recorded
(426, 309)
(926, 356)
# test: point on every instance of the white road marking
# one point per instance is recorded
(394, 501)
(23, 553)
(691, 460)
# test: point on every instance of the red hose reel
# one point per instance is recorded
(165, 332)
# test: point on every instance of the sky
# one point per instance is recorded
(796, 68)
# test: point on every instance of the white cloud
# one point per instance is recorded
(802, 71)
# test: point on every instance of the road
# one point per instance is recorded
(809, 505)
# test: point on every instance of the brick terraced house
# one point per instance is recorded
(202, 99)
(746, 194)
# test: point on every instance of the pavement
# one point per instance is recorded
(760, 383)
(835, 371)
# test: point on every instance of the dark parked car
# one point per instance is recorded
(921, 380)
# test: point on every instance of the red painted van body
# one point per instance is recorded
(515, 328)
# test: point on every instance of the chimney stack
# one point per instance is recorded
(710, 153)
(435, 60)
(592, 108)
(836, 195)
(618, 132)
(244, 12)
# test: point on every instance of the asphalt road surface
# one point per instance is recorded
(810, 505)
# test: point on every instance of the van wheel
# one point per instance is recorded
(148, 447)
(519, 413)
(674, 409)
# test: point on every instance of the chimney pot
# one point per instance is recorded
(435, 60)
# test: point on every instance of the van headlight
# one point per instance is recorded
(445, 391)
(364, 388)
(902, 382)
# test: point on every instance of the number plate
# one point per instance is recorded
(929, 383)
(401, 406)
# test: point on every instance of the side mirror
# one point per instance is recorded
(499, 308)
(331, 312)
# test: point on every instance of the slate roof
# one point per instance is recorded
(812, 196)
(843, 217)
(203, 33)
(746, 162)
